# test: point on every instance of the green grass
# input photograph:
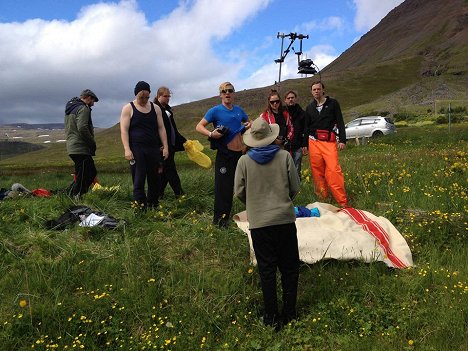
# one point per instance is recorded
(168, 280)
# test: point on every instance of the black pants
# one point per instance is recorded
(170, 176)
(276, 248)
(145, 169)
(225, 169)
(85, 172)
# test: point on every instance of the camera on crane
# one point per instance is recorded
(306, 66)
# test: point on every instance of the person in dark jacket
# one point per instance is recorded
(298, 118)
(144, 137)
(323, 118)
(175, 142)
(81, 146)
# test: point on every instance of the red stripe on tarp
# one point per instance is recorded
(374, 229)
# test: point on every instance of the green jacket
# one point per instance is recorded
(79, 129)
(267, 189)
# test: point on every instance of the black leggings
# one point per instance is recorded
(147, 161)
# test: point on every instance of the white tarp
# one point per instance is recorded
(344, 234)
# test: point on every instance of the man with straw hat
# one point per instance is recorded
(266, 180)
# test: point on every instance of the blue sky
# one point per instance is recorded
(52, 49)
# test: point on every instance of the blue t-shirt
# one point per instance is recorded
(220, 115)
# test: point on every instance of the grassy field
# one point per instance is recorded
(167, 279)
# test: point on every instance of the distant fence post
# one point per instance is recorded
(449, 117)
(444, 107)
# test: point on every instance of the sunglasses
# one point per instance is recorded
(227, 91)
(274, 102)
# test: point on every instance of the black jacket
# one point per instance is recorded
(329, 118)
(298, 120)
(169, 122)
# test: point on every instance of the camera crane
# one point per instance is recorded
(303, 66)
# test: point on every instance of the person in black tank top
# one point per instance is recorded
(143, 137)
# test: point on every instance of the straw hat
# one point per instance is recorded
(261, 133)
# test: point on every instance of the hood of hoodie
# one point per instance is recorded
(73, 105)
(263, 154)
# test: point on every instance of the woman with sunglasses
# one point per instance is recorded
(275, 113)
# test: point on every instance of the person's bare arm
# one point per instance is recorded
(201, 128)
(125, 118)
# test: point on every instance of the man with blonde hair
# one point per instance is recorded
(229, 122)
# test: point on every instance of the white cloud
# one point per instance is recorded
(321, 55)
(370, 12)
(333, 23)
(108, 48)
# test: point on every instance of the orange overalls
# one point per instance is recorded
(326, 171)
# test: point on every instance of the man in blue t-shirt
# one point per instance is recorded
(229, 122)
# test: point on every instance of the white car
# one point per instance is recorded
(369, 126)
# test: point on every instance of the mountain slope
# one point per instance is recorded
(436, 30)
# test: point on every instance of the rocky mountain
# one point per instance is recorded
(435, 30)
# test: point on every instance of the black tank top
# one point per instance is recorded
(144, 127)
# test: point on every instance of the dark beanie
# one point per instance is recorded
(141, 85)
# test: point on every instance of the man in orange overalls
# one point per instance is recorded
(323, 118)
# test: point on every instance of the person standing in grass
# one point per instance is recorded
(81, 146)
(266, 180)
(143, 137)
(323, 117)
(275, 113)
(229, 122)
(297, 116)
(175, 142)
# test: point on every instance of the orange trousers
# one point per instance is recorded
(326, 171)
